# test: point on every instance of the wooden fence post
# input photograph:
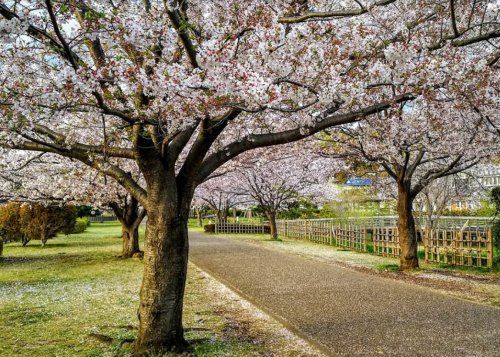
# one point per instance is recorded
(489, 243)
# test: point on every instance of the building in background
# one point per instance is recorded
(478, 183)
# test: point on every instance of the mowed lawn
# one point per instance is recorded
(75, 296)
(52, 298)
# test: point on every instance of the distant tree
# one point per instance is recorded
(42, 223)
(220, 195)
(434, 199)
(273, 178)
(54, 180)
(130, 214)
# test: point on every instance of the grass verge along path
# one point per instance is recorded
(75, 297)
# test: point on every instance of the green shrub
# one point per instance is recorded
(496, 235)
(209, 228)
(81, 225)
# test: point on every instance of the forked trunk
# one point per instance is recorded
(406, 229)
(272, 224)
(130, 216)
(130, 241)
(162, 290)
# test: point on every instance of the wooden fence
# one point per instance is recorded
(101, 218)
(385, 241)
(238, 228)
(468, 245)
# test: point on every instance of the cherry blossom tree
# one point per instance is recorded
(221, 195)
(415, 148)
(51, 179)
(182, 87)
(273, 178)
(440, 194)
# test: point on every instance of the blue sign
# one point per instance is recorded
(358, 182)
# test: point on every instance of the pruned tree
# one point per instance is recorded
(43, 222)
(182, 87)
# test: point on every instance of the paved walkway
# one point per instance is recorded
(346, 312)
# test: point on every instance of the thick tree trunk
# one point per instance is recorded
(272, 224)
(406, 229)
(1, 246)
(130, 241)
(162, 290)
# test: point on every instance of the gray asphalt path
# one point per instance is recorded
(346, 312)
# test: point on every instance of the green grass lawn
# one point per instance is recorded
(68, 298)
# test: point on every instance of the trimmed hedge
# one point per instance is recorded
(81, 225)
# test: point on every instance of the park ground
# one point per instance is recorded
(75, 296)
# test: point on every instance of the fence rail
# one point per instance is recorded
(101, 218)
(462, 241)
(239, 228)
(466, 247)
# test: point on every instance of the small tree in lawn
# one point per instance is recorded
(10, 223)
(182, 87)
(40, 222)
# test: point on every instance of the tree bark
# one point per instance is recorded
(25, 240)
(130, 216)
(1, 246)
(272, 224)
(162, 290)
(406, 229)
(130, 241)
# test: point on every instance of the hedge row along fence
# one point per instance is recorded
(456, 241)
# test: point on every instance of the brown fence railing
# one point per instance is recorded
(456, 242)
(469, 246)
(242, 228)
